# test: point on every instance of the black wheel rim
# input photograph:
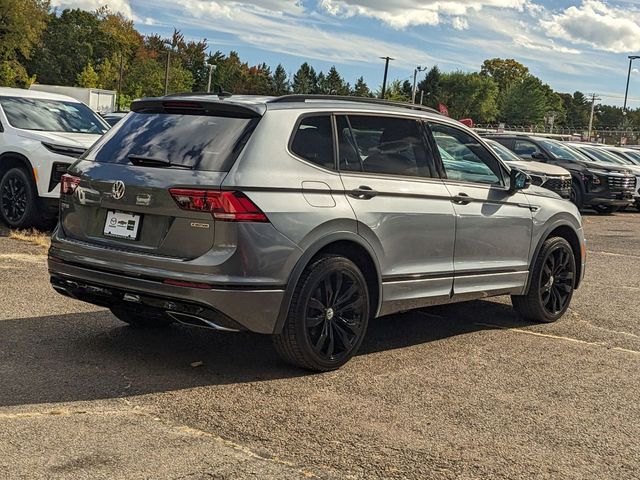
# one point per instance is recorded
(334, 319)
(557, 280)
(14, 198)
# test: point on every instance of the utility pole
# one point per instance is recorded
(384, 80)
(626, 91)
(594, 97)
(166, 73)
(415, 75)
(421, 96)
(120, 82)
(212, 67)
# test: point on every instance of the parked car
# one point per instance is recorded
(601, 187)
(606, 156)
(551, 177)
(629, 155)
(41, 134)
(114, 117)
(303, 220)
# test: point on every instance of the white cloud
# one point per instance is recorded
(405, 13)
(121, 6)
(598, 25)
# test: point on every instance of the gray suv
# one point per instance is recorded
(303, 218)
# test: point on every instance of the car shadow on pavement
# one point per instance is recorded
(89, 356)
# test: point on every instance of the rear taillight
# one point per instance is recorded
(223, 205)
(68, 184)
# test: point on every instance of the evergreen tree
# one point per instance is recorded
(361, 89)
(305, 80)
(279, 82)
(430, 87)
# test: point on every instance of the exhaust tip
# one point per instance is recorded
(195, 321)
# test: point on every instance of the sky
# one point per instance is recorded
(570, 44)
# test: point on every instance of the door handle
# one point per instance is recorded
(363, 193)
(461, 199)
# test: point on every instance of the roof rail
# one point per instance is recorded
(343, 98)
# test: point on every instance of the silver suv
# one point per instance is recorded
(303, 218)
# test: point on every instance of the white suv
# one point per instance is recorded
(41, 134)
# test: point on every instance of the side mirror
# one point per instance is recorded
(539, 156)
(518, 180)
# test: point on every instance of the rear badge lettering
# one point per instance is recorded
(199, 225)
(143, 200)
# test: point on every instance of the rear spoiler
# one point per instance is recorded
(199, 106)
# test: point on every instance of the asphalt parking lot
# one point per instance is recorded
(464, 391)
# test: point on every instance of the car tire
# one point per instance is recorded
(551, 284)
(19, 206)
(328, 315)
(638, 205)
(576, 194)
(140, 318)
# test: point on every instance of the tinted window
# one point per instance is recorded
(559, 150)
(526, 149)
(463, 157)
(313, 140)
(51, 115)
(387, 145)
(201, 142)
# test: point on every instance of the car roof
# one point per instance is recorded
(24, 93)
(260, 104)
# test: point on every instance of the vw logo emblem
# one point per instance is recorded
(118, 190)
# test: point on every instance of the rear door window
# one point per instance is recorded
(383, 145)
(526, 149)
(198, 142)
(313, 140)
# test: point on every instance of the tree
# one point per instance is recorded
(361, 89)
(279, 82)
(430, 87)
(305, 80)
(469, 95)
(504, 72)
(21, 25)
(88, 78)
(525, 102)
(71, 40)
(396, 93)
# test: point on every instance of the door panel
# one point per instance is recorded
(404, 214)
(493, 226)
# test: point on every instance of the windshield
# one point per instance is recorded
(201, 142)
(563, 152)
(51, 115)
(503, 152)
(602, 155)
(632, 156)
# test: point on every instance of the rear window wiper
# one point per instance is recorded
(141, 160)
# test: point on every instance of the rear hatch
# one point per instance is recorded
(144, 185)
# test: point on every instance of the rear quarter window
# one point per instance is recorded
(199, 142)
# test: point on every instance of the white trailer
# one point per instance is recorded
(101, 101)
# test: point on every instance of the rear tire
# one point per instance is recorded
(141, 318)
(19, 206)
(328, 316)
(551, 285)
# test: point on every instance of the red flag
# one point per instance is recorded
(467, 121)
(443, 109)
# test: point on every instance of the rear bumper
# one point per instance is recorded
(255, 310)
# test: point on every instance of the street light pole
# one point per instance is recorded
(166, 73)
(415, 75)
(626, 91)
(212, 67)
(384, 80)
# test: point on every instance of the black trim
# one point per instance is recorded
(295, 98)
(444, 275)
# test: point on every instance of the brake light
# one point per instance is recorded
(68, 184)
(224, 205)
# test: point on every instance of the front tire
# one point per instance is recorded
(18, 200)
(328, 316)
(605, 209)
(576, 194)
(141, 318)
(552, 283)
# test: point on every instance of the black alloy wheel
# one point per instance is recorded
(18, 199)
(557, 280)
(328, 316)
(551, 284)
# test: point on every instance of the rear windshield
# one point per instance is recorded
(200, 142)
(51, 115)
